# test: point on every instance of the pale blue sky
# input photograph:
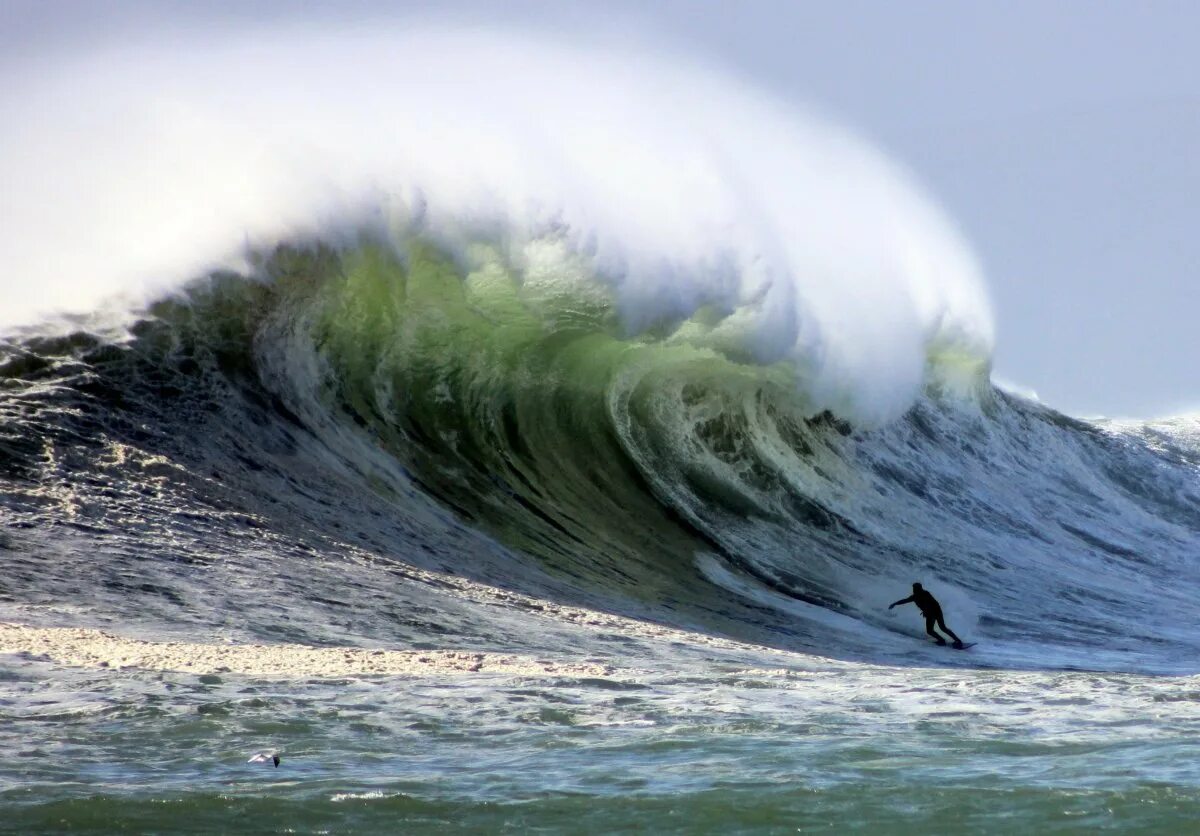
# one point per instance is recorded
(1062, 137)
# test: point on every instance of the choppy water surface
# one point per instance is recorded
(711, 748)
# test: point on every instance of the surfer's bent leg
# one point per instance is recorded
(942, 623)
(929, 629)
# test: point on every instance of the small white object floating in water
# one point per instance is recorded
(266, 757)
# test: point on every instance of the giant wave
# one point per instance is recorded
(585, 326)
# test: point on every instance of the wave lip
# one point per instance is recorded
(681, 189)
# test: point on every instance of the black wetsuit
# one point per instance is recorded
(932, 611)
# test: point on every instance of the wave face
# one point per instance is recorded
(571, 323)
(499, 424)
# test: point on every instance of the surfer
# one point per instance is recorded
(932, 610)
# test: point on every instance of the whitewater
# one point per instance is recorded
(516, 433)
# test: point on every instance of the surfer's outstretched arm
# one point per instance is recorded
(907, 600)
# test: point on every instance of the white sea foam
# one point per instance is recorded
(136, 167)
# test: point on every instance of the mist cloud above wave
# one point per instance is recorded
(135, 168)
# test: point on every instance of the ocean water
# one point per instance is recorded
(694, 429)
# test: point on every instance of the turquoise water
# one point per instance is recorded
(716, 748)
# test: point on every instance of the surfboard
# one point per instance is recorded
(965, 645)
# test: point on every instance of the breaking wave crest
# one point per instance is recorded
(686, 193)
